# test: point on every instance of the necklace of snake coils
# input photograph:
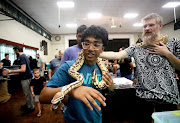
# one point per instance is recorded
(160, 38)
(73, 72)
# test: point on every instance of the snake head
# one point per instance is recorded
(57, 97)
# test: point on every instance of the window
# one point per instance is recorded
(6, 48)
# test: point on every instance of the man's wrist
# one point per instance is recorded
(32, 92)
(9, 71)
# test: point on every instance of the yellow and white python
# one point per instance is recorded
(73, 71)
(160, 38)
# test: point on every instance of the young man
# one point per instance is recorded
(71, 53)
(25, 75)
(36, 86)
(84, 101)
(156, 85)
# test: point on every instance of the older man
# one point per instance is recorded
(55, 64)
(156, 85)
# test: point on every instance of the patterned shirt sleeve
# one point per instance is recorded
(173, 45)
(130, 50)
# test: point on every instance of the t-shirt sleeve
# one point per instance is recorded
(51, 65)
(130, 50)
(43, 79)
(22, 60)
(61, 77)
(64, 58)
(31, 83)
(177, 48)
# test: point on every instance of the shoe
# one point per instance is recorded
(63, 108)
(39, 115)
(24, 107)
(27, 111)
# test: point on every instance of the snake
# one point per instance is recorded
(73, 71)
(161, 38)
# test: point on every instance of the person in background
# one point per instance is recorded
(17, 61)
(79, 109)
(1, 64)
(126, 67)
(25, 75)
(36, 86)
(105, 61)
(33, 62)
(40, 64)
(156, 85)
(6, 61)
(56, 56)
(71, 53)
(55, 64)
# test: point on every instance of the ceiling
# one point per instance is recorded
(46, 13)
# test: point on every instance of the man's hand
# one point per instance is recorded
(159, 49)
(109, 81)
(5, 72)
(88, 94)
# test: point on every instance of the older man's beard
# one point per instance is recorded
(148, 40)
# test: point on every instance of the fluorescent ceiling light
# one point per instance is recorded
(130, 15)
(94, 15)
(71, 25)
(171, 5)
(113, 26)
(67, 4)
(138, 24)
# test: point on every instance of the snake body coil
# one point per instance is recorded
(160, 38)
(73, 72)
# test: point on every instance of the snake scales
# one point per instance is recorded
(160, 38)
(73, 72)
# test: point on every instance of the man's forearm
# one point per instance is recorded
(47, 94)
(114, 55)
(175, 62)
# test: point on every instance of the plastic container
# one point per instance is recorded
(166, 117)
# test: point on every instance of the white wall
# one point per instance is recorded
(64, 42)
(169, 30)
(16, 32)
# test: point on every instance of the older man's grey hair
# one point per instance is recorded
(158, 18)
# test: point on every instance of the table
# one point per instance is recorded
(166, 117)
(119, 103)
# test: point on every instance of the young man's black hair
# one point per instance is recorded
(81, 29)
(96, 32)
(6, 54)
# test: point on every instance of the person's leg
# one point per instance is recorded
(115, 69)
(27, 92)
(144, 110)
(128, 76)
(39, 109)
(118, 73)
(165, 107)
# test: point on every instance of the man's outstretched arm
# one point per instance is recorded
(114, 55)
